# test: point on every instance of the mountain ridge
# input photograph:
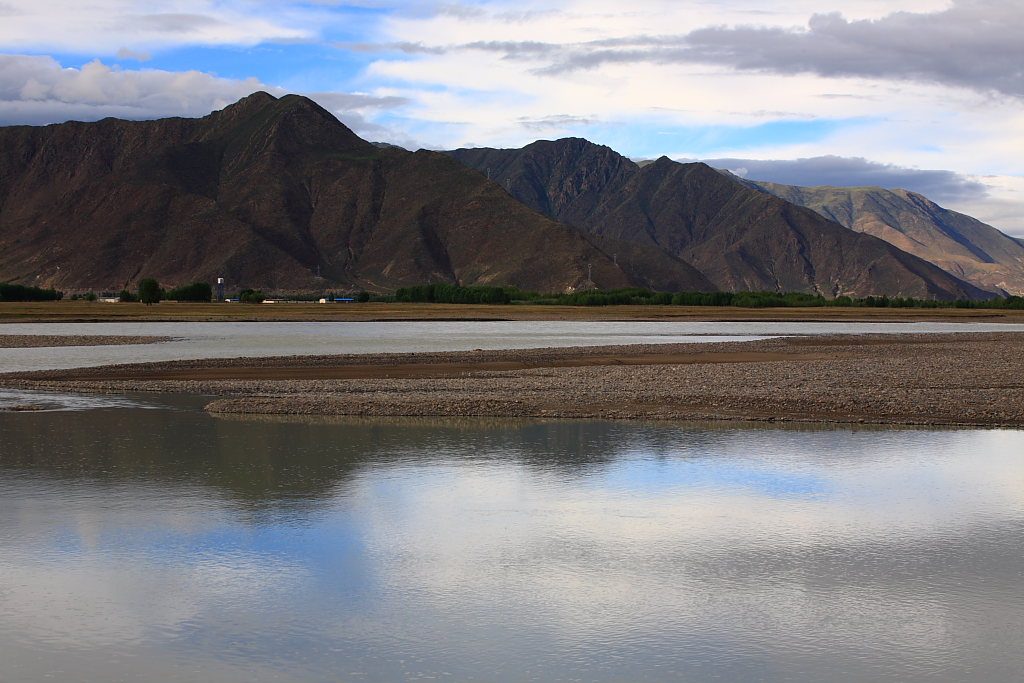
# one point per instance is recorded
(957, 243)
(739, 237)
(275, 193)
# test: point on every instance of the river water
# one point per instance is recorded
(143, 539)
(229, 340)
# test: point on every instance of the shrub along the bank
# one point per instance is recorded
(453, 294)
(251, 296)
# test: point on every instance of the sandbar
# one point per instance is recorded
(26, 341)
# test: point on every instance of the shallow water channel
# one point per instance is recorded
(143, 539)
(234, 339)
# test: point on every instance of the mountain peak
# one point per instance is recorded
(293, 120)
(256, 100)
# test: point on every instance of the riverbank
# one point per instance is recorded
(935, 379)
(169, 311)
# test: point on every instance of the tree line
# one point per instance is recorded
(150, 292)
(459, 294)
(11, 292)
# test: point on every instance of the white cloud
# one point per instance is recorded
(95, 26)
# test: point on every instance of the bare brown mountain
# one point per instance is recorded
(739, 237)
(961, 245)
(278, 194)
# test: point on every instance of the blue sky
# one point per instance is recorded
(921, 94)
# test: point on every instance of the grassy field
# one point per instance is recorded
(85, 311)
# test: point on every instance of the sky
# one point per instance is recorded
(924, 95)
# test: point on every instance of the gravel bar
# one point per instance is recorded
(25, 341)
(931, 379)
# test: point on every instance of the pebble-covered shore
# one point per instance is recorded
(947, 379)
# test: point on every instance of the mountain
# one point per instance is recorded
(278, 194)
(740, 238)
(959, 244)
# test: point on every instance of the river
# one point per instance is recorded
(234, 339)
(144, 539)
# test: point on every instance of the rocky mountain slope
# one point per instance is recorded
(959, 244)
(278, 194)
(738, 237)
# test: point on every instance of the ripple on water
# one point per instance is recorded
(15, 400)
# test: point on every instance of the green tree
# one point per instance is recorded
(197, 291)
(249, 296)
(149, 291)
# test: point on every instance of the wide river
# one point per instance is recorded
(142, 539)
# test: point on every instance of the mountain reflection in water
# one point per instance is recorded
(168, 544)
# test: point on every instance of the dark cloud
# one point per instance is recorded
(856, 172)
(522, 49)
(977, 44)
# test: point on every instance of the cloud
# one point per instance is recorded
(974, 44)
(37, 91)
(93, 27)
(403, 47)
(556, 122)
(125, 53)
(857, 172)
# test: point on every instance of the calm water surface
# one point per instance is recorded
(229, 340)
(142, 539)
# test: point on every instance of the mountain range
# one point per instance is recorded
(276, 193)
(957, 243)
(739, 237)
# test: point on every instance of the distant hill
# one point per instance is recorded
(738, 237)
(278, 194)
(959, 244)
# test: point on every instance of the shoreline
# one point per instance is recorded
(963, 379)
